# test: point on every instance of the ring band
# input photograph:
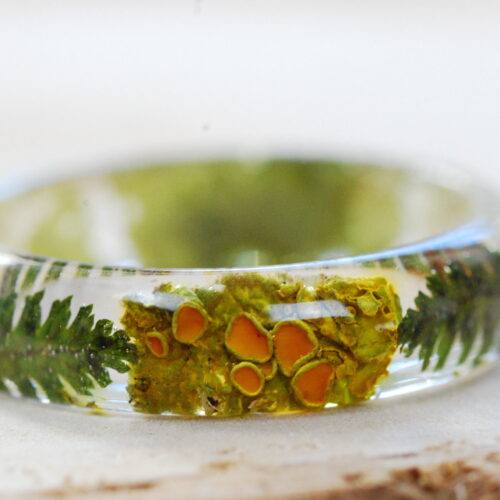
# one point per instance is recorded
(222, 288)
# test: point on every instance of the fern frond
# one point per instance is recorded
(462, 304)
(55, 352)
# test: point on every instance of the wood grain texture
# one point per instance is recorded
(429, 474)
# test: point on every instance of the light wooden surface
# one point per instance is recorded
(87, 80)
(59, 451)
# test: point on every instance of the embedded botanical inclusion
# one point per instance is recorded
(219, 351)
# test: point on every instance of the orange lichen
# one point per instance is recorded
(247, 378)
(294, 344)
(189, 323)
(157, 344)
(311, 383)
(248, 340)
(269, 369)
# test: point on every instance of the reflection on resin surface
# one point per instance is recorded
(225, 213)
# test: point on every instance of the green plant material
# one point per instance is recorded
(9, 279)
(83, 271)
(55, 271)
(247, 378)
(462, 304)
(54, 353)
(196, 378)
(191, 379)
(30, 277)
(362, 344)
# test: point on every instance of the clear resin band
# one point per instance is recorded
(223, 288)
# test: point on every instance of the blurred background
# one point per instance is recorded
(87, 82)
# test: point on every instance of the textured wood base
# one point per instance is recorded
(428, 474)
(442, 445)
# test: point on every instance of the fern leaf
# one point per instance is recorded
(462, 304)
(55, 352)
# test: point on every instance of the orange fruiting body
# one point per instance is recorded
(157, 344)
(247, 378)
(311, 383)
(189, 323)
(294, 344)
(269, 369)
(248, 340)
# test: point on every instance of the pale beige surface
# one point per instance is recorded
(55, 449)
(87, 80)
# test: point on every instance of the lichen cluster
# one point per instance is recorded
(255, 344)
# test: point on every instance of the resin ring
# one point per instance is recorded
(232, 287)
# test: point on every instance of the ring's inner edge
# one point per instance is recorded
(230, 214)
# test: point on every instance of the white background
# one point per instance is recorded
(92, 80)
